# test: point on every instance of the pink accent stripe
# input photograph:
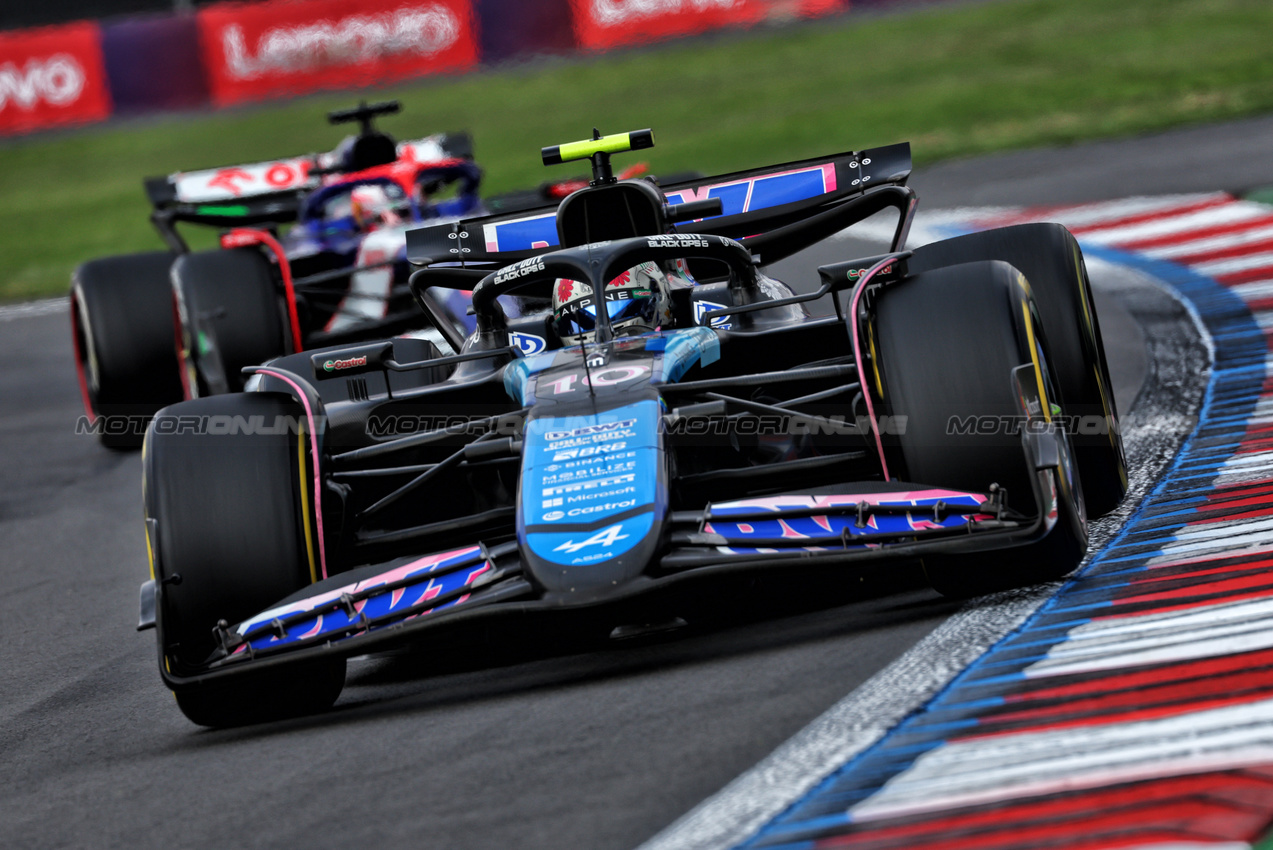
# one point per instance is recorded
(789, 532)
(318, 626)
(313, 448)
(848, 500)
(857, 355)
(828, 177)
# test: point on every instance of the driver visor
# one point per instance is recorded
(584, 319)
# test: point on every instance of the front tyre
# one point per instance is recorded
(948, 341)
(1050, 259)
(226, 488)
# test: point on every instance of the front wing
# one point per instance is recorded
(374, 607)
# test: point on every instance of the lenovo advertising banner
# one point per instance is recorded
(52, 76)
(602, 24)
(262, 50)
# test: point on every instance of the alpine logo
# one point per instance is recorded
(605, 537)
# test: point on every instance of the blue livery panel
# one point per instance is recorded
(586, 471)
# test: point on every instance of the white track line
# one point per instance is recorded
(34, 308)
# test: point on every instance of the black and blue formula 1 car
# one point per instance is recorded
(313, 252)
(676, 418)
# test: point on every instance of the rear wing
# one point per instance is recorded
(753, 203)
(271, 191)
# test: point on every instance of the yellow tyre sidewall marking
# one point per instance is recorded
(309, 542)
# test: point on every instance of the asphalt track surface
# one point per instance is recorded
(536, 746)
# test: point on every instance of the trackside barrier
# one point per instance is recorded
(257, 51)
(237, 52)
(605, 24)
(52, 76)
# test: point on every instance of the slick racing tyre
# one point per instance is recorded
(228, 315)
(121, 329)
(1050, 259)
(947, 341)
(228, 507)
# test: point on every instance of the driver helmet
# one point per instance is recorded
(636, 302)
(375, 204)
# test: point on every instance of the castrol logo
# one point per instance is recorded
(337, 365)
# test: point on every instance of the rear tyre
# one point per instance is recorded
(121, 329)
(230, 534)
(947, 343)
(228, 315)
(1050, 259)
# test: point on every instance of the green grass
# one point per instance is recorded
(954, 81)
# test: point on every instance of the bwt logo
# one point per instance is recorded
(358, 38)
(57, 81)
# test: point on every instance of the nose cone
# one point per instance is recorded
(593, 498)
